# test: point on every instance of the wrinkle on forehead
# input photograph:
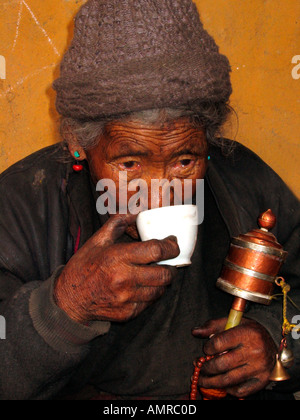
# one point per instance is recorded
(138, 136)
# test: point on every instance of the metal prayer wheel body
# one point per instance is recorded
(253, 262)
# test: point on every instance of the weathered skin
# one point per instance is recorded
(116, 282)
(112, 282)
(248, 359)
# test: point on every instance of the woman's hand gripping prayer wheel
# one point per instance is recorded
(244, 357)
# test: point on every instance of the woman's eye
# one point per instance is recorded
(185, 162)
(131, 164)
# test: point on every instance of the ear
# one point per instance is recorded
(75, 147)
(72, 143)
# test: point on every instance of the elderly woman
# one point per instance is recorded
(143, 90)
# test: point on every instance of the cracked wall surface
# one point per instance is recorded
(260, 37)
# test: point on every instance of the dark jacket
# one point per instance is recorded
(42, 204)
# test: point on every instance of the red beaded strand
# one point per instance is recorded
(207, 394)
(195, 378)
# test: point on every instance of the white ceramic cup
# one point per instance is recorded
(180, 221)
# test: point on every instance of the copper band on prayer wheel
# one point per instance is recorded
(246, 283)
(252, 265)
(254, 260)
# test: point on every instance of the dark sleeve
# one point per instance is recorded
(41, 347)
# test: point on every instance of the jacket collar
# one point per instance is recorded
(224, 201)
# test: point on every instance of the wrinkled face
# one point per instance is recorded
(176, 151)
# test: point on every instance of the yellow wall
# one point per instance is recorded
(260, 37)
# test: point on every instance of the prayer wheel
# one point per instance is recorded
(249, 273)
(253, 262)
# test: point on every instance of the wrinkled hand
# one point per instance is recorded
(248, 363)
(114, 282)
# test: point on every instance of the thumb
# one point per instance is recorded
(113, 229)
(210, 328)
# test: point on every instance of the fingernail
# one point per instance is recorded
(196, 329)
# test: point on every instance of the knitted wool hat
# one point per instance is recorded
(131, 55)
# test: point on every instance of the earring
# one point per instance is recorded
(208, 157)
(77, 167)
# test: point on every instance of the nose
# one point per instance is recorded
(164, 192)
(155, 197)
(151, 193)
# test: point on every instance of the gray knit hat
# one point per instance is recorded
(131, 55)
